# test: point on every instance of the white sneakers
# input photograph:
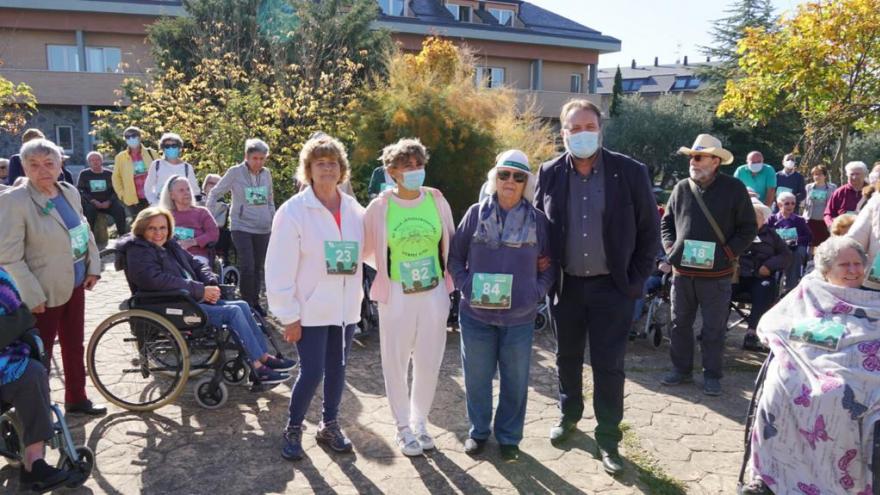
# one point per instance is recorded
(414, 444)
(408, 443)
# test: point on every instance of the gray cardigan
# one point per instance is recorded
(253, 219)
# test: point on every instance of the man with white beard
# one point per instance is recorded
(709, 222)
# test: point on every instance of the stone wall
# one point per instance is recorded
(46, 119)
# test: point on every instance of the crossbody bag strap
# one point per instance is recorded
(718, 233)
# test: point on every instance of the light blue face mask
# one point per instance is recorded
(583, 144)
(133, 142)
(172, 153)
(413, 179)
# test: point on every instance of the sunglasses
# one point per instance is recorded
(518, 177)
(129, 136)
(699, 158)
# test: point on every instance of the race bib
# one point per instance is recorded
(79, 241)
(698, 254)
(491, 290)
(781, 189)
(819, 194)
(852, 212)
(140, 167)
(98, 185)
(341, 257)
(184, 233)
(874, 275)
(256, 196)
(418, 276)
(789, 234)
(818, 332)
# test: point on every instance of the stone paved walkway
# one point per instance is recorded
(683, 442)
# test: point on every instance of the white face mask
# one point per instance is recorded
(788, 164)
(583, 144)
(756, 167)
(873, 178)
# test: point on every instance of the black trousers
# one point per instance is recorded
(29, 394)
(593, 309)
(116, 210)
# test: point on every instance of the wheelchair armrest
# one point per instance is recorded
(33, 340)
(146, 297)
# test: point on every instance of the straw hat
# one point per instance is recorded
(708, 145)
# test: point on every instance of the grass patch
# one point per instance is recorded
(648, 470)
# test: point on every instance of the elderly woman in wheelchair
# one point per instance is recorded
(759, 270)
(815, 412)
(24, 385)
(156, 262)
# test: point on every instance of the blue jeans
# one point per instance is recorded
(237, 316)
(323, 353)
(653, 283)
(485, 348)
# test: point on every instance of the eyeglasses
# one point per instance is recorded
(518, 177)
(699, 158)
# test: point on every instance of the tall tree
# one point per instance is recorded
(616, 93)
(823, 63)
(726, 34)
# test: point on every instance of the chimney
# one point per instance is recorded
(634, 64)
(685, 60)
(656, 61)
(708, 59)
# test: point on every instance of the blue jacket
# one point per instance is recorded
(630, 228)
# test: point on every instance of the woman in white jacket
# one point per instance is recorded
(313, 284)
(866, 230)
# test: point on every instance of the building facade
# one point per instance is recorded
(652, 81)
(75, 53)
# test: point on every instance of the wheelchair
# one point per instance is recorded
(76, 458)
(657, 313)
(141, 358)
(740, 302)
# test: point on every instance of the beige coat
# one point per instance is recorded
(35, 245)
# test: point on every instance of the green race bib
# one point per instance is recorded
(698, 254)
(789, 234)
(79, 241)
(781, 189)
(256, 196)
(418, 276)
(491, 290)
(184, 233)
(874, 275)
(140, 167)
(341, 257)
(98, 185)
(818, 332)
(819, 194)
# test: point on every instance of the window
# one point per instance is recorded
(504, 16)
(632, 85)
(460, 12)
(391, 7)
(686, 82)
(63, 57)
(103, 59)
(64, 137)
(576, 83)
(490, 77)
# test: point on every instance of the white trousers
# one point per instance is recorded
(412, 326)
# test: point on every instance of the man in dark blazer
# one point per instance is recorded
(605, 234)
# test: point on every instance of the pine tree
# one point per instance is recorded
(726, 33)
(616, 93)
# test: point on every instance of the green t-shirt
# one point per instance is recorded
(414, 235)
(761, 182)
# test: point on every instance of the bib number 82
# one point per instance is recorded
(419, 274)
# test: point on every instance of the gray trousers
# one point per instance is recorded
(29, 395)
(711, 296)
(250, 256)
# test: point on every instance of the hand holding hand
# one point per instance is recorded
(212, 294)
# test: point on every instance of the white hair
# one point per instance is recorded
(92, 153)
(785, 195)
(856, 165)
(165, 200)
(762, 210)
(528, 192)
(255, 145)
(40, 147)
(829, 250)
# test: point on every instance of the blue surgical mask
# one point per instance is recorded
(172, 153)
(133, 142)
(414, 179)
(583, 144)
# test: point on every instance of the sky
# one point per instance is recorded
(669, 29)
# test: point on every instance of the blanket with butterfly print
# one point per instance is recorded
(814, 423)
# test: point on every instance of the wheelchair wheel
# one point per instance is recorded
(229, 275)
(138, 360)
(656, 335)
(234, 372)
(11, 435)
(540, 321)
(83, 466)
(208, 396)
